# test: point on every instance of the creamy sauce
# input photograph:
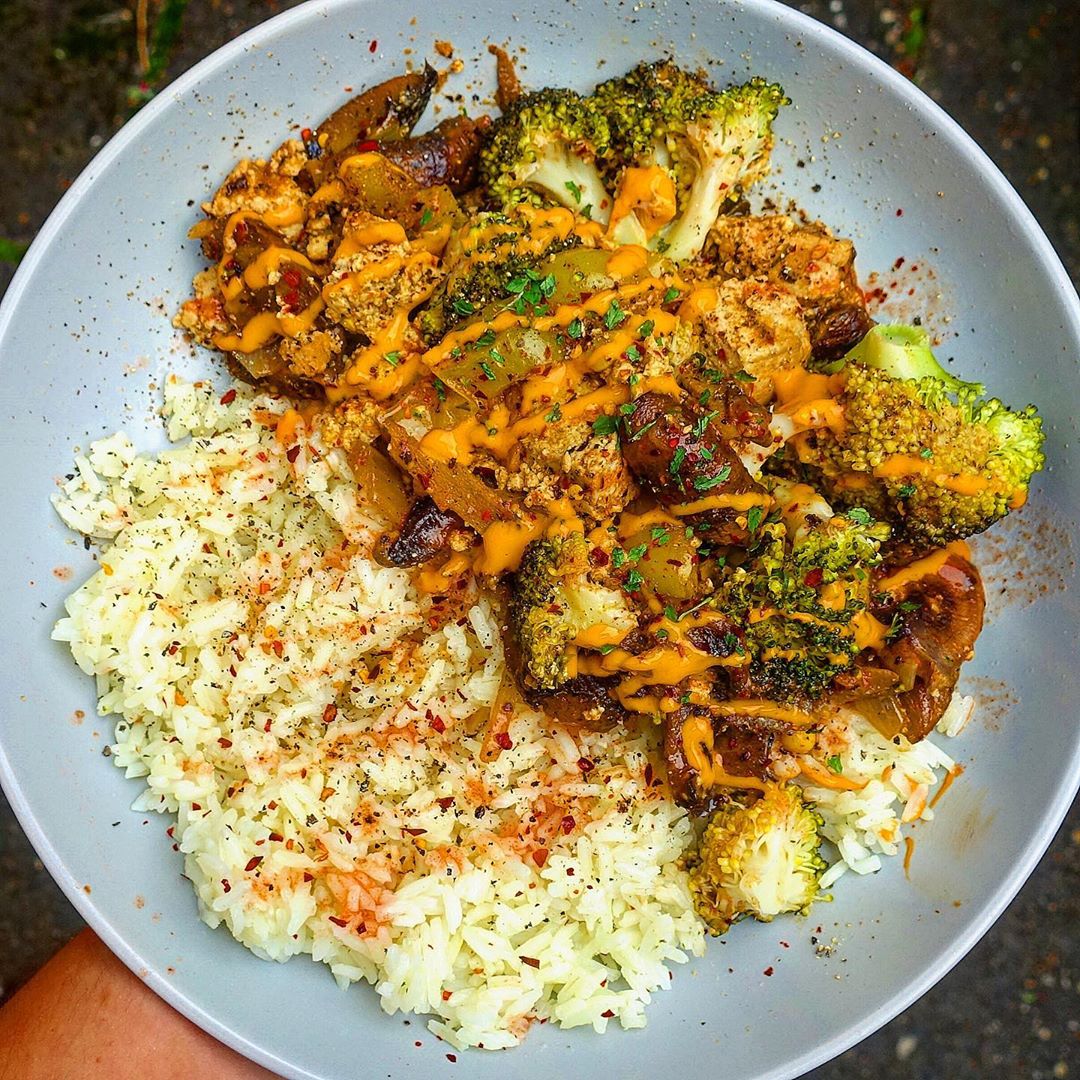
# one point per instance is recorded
(647, 192)
(924, 567)
(701, 755)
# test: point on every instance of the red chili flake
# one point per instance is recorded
(418, 1043)
(539, 856)
(292, 453)
(446, 995)
(607, 1014)
(485, 515)
(569, 871)
(374, 46)
(414, 832)
(291, 300)
(446, 803)
(452, 1058)
(262, 455)
(899, 262)
(367, 146)
(768, 972)
(567, 824)
(599, 557)
(530, 960)
(899, 213)
(438, 724)
(169, 832)
(785, 944)
(338, 922)
(277, 647)
(648, 773)
(308, 877)
(585, 765)
(503, 741)
(276, 837)
(305, 134)
(292, 277)
(240, 233)
(252, 863)
(228, 397)
(225, 885)
(196, 806)
(329, 714)
(814, 577)
(226, 743)
(673, 441)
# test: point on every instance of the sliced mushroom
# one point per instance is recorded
(935, 638)
(425, 532)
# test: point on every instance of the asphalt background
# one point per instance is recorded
(1008, 70)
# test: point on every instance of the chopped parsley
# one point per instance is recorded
(485, 339)
(670, 613)
(660, 535)
(618, 557)
(646, 328)
(614, 315)
(637, 552)
(677, 460)
(462, 306)
(834, 763)
(671, 293)
(754, 518)
(926, 452)
(859, 515)
(392, 358)
(633, 581)
(574, 189)
(604, 425)
(555, 415)
(906, 491)
(425, 218)
(633, 353)
(701, 424)
(705, 483)
(576, 328)
(485, 367)
(497, 356)
(440, 389)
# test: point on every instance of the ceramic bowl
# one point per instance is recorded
(85, 336)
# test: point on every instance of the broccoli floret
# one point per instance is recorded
(553, 599)
(919, 447)
(714, 144)
(543, 150)
(760, 859)
(799, 602)
(482, 274)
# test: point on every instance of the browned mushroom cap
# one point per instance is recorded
(387, 111)
(445, 155)
(425, 532)
(583, 702)
(937, 636)
(835, 332)
(676, 454)
(744, 743)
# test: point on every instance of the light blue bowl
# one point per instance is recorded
(84, 329)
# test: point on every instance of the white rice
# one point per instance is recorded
(898, 777)
(235, 610)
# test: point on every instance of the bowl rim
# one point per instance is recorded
(993, 904)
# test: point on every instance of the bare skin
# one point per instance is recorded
(84, 1016)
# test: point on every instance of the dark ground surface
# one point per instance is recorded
(1009, 71)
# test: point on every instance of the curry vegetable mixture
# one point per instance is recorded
(708, 492)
